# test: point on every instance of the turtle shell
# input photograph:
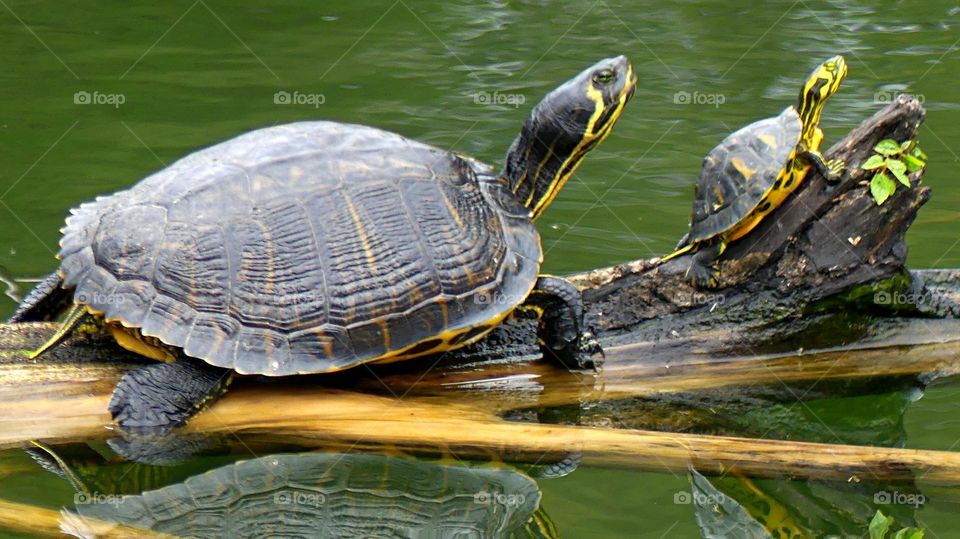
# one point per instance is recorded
(737, 174)
(331, 495)
(308, 247)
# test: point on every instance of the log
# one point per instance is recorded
(40, 522)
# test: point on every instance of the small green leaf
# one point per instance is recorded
(913, 164)
(880, 525)
(875, 161)
(909, 533)
(887, 147)
(881, 187)
(918, 153)
(907, 146)
(899, 171)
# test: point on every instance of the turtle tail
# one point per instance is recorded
(76, 317)
(680, 251)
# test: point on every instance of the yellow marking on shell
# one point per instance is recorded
(772, 199)
(742, 168)
(385, 332)
(718, 194)
(444, 312)
(768, 139)
(130, 339)
(452, 208)
(261, 183)
(445, 345)
(362, 234)
(577, 154)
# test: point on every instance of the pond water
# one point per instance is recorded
(97, 96)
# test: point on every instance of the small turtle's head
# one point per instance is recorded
(569, 122)
(820, 86)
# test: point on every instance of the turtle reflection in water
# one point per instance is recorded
(333, 495)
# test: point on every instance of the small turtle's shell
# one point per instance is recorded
(332, 495)
(739, 171)
(308, 247)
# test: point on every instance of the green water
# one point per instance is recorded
(189, 74)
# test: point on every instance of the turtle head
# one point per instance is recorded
(820, 86)
(569, 122)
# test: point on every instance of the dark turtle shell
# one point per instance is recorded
(308, 247)
(330, 495)
(739, 171)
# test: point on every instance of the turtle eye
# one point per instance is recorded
(603, 76)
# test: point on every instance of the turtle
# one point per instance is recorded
(313, 494)
(754, 170)
(318, 246)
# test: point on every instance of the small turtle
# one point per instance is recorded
(754, 170)
(318, 246)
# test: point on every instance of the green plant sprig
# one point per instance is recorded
(893, 159)
(881, 526)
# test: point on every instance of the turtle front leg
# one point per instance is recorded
(832, 171)
(558, 307)
(160, 397)
(704, 270)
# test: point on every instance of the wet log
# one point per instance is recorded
(40, 522)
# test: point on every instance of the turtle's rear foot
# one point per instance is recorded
(160, 397)
(704, 271)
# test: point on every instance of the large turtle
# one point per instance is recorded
(318, 246)
(335, 495)
(753, 171)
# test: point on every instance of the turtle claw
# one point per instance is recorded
(703, 275)
(835, 171)
(589, 348)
